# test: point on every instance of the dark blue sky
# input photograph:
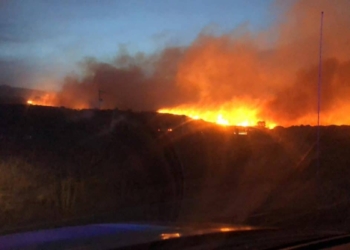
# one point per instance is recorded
(43, 40)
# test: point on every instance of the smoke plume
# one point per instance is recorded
(273, 72)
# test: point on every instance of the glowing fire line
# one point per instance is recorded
(239, 117)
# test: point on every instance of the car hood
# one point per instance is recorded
(106, 235)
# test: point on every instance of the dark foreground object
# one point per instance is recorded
(143, 236)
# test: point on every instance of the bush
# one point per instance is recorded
(18, 179)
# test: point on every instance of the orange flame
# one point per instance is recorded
(48, 99)
(227, 115)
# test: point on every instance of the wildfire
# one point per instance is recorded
(48, 99)
(221, 120)
(241, 116)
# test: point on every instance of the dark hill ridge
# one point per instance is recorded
(17, 95)
(112, 165)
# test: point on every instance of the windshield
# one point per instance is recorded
(228, 112)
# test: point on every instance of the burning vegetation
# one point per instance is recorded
(239, 78)
(47, 99)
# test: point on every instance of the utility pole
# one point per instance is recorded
(100, 100)
(319, 93)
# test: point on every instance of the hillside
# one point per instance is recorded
(67, 166)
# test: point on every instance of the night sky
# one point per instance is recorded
(41, 41)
